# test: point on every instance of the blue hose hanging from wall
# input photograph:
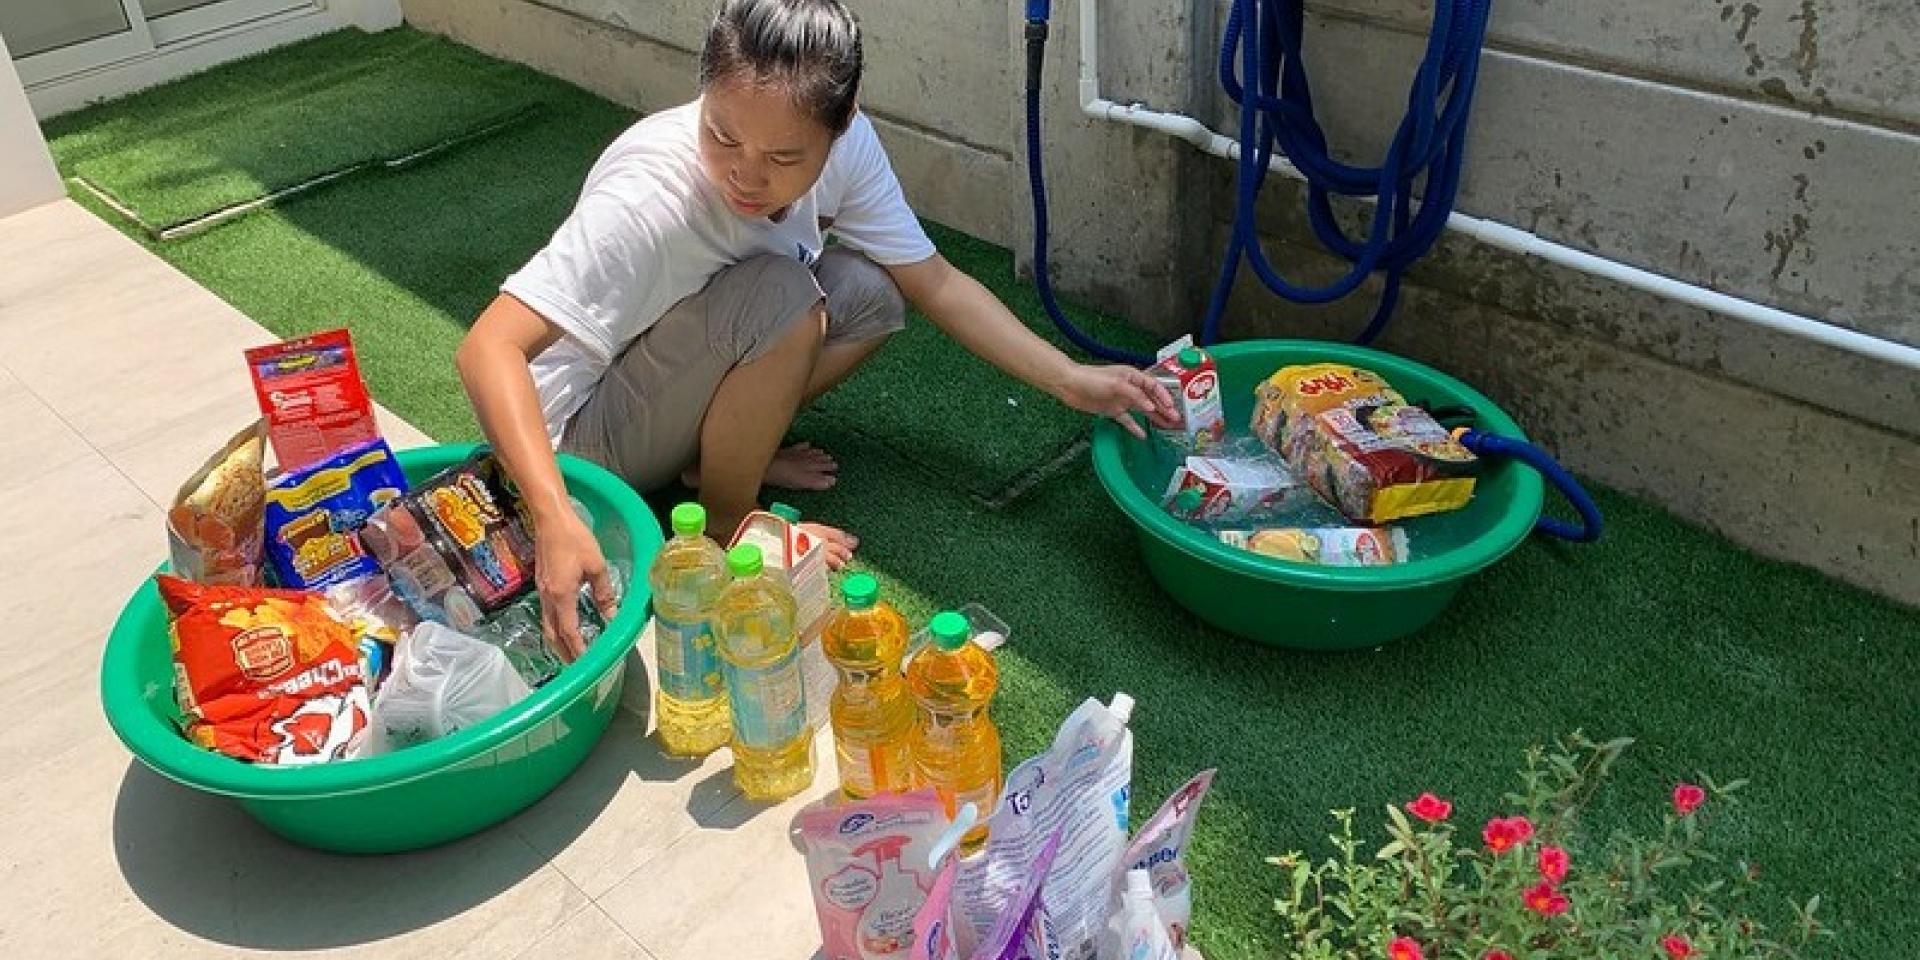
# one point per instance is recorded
(1262, 71)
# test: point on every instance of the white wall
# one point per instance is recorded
(27, 176)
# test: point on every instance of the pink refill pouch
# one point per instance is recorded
(867, 865)
(933, 926)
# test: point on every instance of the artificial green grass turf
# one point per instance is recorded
(1009, 434)
(269, 123)
(1716, 660)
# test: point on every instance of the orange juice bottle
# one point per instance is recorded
(872, 715)
(753, 622)
(956, 747)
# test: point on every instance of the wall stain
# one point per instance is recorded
(1806, 55)
(1748, 14)
(1754, 60)
(1800, 185)
(1783, 243)
(1776, 88)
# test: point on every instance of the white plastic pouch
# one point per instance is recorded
(442, 681)
(1160, 849)
(1077, 789)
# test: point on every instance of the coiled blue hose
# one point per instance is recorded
(1269, 82)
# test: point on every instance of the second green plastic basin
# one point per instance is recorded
(427, 794)
(1306, 607)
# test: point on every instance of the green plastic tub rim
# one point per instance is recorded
(1507, 533)
(161, 745)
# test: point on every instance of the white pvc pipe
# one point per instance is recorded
(1500, 235)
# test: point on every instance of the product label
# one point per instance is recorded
(769, 703)
(689, 660)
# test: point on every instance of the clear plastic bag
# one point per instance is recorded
(442, 681)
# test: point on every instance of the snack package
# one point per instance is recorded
(1076, 793)
(1383, 463)
(1326, 546)
(441, 682)
(1160, 848)
(313, 398)
(263, 675)
(1295, 395)
(215, 526)
(1021, 931)
(371, 608)
(803, 558)
(867, 863)
(1218, 490)
(458, 547)
(1190, 376)
(314, 511)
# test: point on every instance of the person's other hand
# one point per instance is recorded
(1118, 392)
(566, 556)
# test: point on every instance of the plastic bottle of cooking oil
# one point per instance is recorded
(753, 621)
(690, 705)
(872, 715)
(956, 747)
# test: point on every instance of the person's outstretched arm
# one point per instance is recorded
(493, 363)
(976, 319)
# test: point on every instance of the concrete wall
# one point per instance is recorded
(27, 175)
(1767, 148)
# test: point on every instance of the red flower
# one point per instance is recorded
(1553, 864)
(1503, 834)
(1676, 945)
(1496, 955)
(1687, 798)
(1404, 948)
(1430, 808)
(1544, 900)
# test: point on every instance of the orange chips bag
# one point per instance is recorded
(269, 676)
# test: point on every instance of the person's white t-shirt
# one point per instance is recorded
(649, 230)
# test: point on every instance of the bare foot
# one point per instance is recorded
(840, 544)
(802, 466)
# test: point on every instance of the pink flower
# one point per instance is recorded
(1404, 948)
(1503, 834)
(1676, 945)
(1544, 900)
(1430, 808)
(1553, 864)
(1496, 955)
(1687, 798)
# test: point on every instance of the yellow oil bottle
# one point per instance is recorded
(955, 745)
(753, 622)
(690, 704)
(871, 713)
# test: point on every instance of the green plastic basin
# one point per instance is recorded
(423, 795)
(1302, 606)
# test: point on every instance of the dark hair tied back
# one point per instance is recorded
(812, 47)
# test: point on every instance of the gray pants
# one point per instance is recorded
(643, 419)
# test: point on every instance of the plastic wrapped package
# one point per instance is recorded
(441, 682)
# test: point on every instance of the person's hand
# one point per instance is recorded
(1118, 393)
(565, 556)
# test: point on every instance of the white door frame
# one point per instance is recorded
(161, 62)
(221, 15)
(88, 54)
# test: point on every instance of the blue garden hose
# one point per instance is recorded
(1489, 445)
(1037, 14)
(1276, 109)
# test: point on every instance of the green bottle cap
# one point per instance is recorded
(1189, 500)
(745, 561)
(950, 630)
(689, 520)
(1192, 357)
(785, 512)
(860, 591)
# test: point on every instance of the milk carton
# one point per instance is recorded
(1190, 376)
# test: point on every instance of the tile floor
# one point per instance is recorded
(117, 376)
